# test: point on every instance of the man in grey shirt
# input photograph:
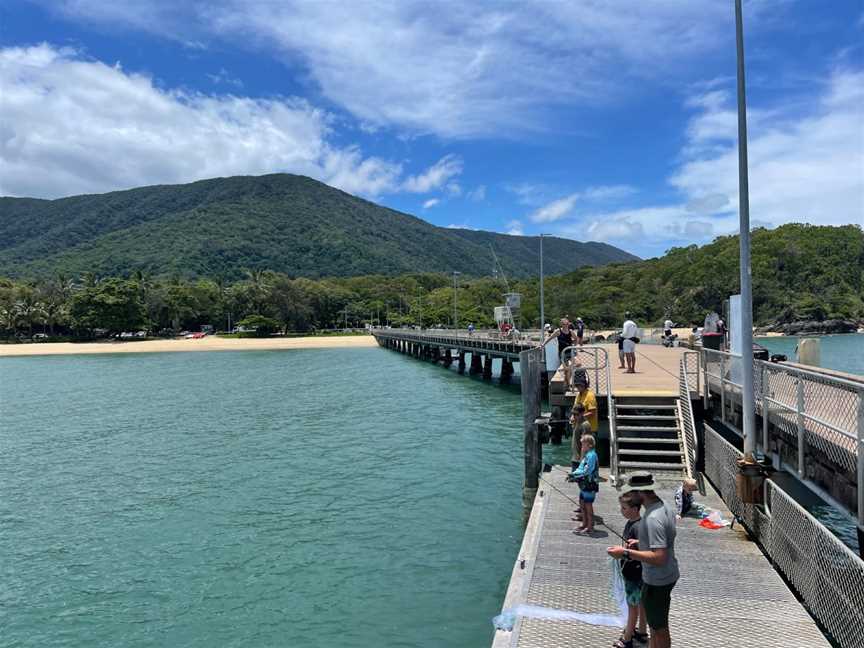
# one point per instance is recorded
(656, 552)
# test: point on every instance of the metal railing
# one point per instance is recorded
(480, 340)
(595, 361)
(692, 370)
(817, 411)
(827, 575)
(685, 415)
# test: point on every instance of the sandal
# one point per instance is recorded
(641, 637)
(623, 644)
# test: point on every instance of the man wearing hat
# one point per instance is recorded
(656, 552)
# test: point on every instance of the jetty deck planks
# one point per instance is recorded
(728, 595)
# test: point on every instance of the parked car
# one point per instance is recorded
(37, 337)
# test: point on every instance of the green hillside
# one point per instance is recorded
(284, 223)
(799, 273)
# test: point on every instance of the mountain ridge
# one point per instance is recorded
(281, 222)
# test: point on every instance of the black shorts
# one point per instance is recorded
(667, 332)
(656, 599)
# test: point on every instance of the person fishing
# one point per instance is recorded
(656, 552)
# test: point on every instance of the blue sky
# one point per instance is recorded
(594, 120)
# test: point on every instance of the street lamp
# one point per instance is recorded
(748, 399)
(455, 318)
(542, 302)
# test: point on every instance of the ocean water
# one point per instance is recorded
(838, 352)
(284, 498)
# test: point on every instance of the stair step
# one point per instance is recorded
(648, 428)
(651, 465)
(647, 440)
(647, 407)
(646, 417)
(655, 453)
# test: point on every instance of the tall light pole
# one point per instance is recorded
(542, 301)
(455, 316)
(748, 399)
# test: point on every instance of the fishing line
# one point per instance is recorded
(599, 522)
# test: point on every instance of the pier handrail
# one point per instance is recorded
(827, 575)
(816, 410)
(596, 353)
(688, 421)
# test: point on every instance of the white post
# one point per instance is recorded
(801, 431)
(542, 304)
(748, 400)
(766, 376)
(861, 472)
(722, 392)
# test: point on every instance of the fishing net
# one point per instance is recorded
(507, 619)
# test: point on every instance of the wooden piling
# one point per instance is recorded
(487, 368)
(461, 362)
(530, 365)
(476, 363)
(506, 370)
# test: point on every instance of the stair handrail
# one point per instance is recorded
(687, 422)
(596, 352)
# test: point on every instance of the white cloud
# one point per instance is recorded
(555, 210)
(430, 203)
(73, 125)
(462, 226)
(558, 209)
(496, 67)
(478, 194)
(223, 76)
(514, 228)
(803, 167)
(435, 176)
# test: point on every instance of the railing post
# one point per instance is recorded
(860, 484)
(722, 392)
(705, 395)
(801, 431)
(766, 376)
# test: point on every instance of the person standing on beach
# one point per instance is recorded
(657, 554)
(630, 333)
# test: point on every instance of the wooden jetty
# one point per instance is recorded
(728, 595)
(732, 590)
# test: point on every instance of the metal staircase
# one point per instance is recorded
(648, 435)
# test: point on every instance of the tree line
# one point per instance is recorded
(800, 272)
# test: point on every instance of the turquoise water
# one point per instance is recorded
(299, 498)
(838, 352)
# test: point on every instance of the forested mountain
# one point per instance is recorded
(800, 273)
(284, 223)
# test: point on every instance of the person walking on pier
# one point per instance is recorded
(630, 333)
(657, 554)
(580, 331)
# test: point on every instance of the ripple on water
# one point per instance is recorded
(315, 498)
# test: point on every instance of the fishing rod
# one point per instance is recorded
(600, 521)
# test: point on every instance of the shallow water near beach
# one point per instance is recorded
(282, 498)
(838, 352)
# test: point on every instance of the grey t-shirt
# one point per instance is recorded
(657, 531)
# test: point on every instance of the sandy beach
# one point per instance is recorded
(210, 343)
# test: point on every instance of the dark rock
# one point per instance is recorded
(819, 328)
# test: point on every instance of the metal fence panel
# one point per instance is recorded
(827, 575)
